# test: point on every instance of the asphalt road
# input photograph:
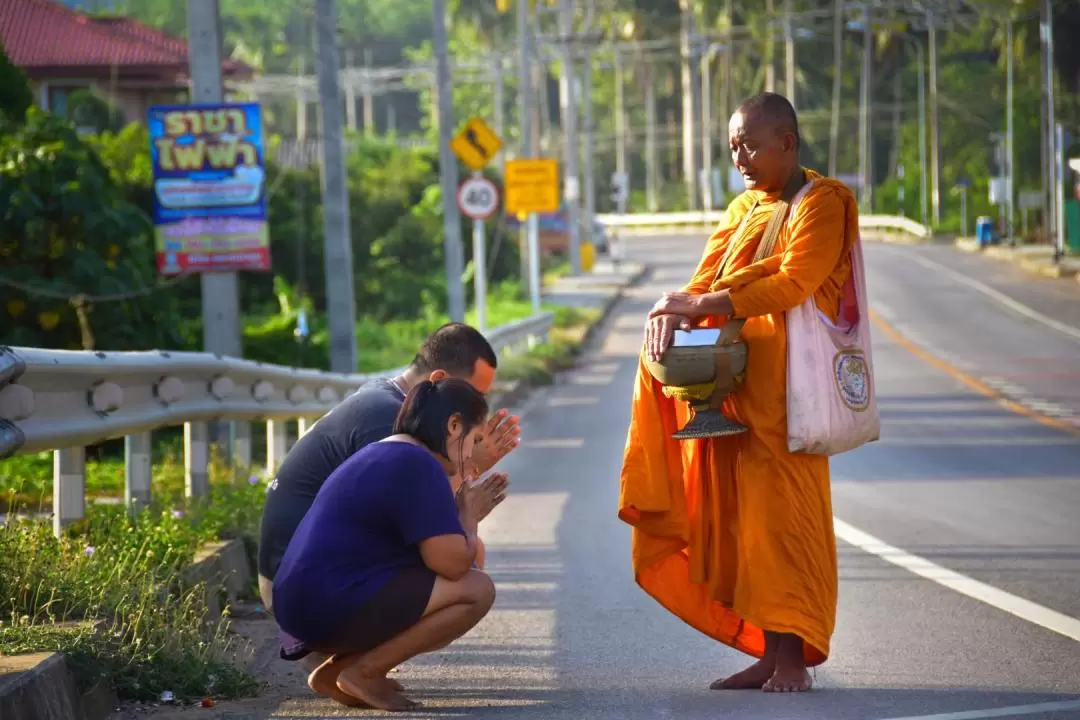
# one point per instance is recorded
(962, 497)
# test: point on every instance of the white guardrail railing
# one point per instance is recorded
(887, 223)
(64, 400)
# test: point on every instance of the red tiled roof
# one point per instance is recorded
(46, 34)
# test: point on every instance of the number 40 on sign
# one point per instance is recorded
(478, 198)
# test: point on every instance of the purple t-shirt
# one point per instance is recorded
(366, 524)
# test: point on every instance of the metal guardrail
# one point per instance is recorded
(64, 400)
(892, 223)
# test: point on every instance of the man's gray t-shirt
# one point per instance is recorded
(365, 417)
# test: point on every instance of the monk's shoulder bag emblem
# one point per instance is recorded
(852, 378)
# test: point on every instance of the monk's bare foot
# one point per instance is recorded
(789, 679)
(752, 678)
(323, 680)
(378, 692)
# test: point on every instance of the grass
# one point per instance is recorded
(107, 593)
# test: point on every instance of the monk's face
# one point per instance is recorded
(764, 154)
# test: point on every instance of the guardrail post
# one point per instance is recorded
(196, 460)
(137, 470)
(241, 445)
(302, 426)
(276, 447)
(69, 487)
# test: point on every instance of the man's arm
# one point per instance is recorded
(813, 251)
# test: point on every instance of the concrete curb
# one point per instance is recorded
(41, 686)
(1067, 269)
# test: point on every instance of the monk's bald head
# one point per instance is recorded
(773, 110)
(763, 136)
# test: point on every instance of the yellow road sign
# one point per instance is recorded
(532, 186)
(476, 145)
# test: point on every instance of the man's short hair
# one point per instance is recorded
(774, 108)
(455, 348)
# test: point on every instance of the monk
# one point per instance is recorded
(734, 535)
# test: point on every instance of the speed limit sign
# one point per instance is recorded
(478, 198)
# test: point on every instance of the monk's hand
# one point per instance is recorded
(659, 332)
(678, 303)
(501, 435)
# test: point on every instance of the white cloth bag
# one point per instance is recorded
(831, 404)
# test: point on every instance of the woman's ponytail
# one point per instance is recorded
(430, 405)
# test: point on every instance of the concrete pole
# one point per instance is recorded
(726, 91)
(587, 142)
(866, 134)
(935, 132)
(525, 95)
(620, 116)
(455, 260)
(350, 92)
(1059, 201)
(500, 114)
(789, 54)
(1010, 174)
(770, 47)
(369, 95)
(338, 258)
(569, 111)
(689, 135)
(706, 130)
(651, 169)
(220, 291)
(1054, 171)
(301, 104)
(924, 213)
(837, 88)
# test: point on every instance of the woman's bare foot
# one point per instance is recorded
(789, 679)
(752, 678)
(323, 680)
(378, 693)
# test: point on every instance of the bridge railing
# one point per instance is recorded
(886, 223)
(65, 400)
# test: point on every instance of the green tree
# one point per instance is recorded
(15, 94)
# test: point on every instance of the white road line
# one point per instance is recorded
(999, 712)
(1018, 307)
(1018, 606)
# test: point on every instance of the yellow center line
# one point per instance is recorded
(972, 382)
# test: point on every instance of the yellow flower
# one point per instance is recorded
(16, 307)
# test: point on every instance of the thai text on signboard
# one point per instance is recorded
(210, 204)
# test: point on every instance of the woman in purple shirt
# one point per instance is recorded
(381, 569)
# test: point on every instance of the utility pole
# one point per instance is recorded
(448, 168)
(525, 122)
(369, 95)
(220, 291)
(1053, 155)
(726, 91)
(866, 146)
(789, 54)
(620, 116)
(1010, 200)
(689, 136)
(924, 214)
(567, 96)
(587, 135)
(838, 63)
(935, 130)
(350, 91)
(651, 199)
(770, 47)
(500, 103)
(340, 298)
(706, 128)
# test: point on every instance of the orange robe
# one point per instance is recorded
(734, 535)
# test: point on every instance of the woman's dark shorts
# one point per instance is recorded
(393, 609)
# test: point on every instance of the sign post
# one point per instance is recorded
(476, 145)
(532, 186)
(477, 199)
